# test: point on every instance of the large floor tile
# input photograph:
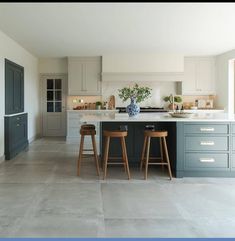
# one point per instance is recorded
(8, 225)
(139, 200)
(78, 200)
(203, 200)
(27, 174)
(59, 226)
(16, 199)
(158, 228)
(216, 228)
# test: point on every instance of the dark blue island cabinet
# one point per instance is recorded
(196, 149)
(205, 149)
(135, 140)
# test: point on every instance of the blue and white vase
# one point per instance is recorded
(133, 109)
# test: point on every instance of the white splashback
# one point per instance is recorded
(159, 90)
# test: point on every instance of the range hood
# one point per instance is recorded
(160, 67)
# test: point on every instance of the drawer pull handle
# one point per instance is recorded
(207, 129)
(17, 124)
(18, 118)
(207, 143)
(207, 160)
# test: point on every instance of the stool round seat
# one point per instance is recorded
(115, 133)
(155, 133)
(88, 127)
(87, 132)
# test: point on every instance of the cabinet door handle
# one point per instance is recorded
(207, 160)
(209, 129)
(207, 143)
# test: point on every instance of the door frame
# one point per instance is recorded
(41, 78)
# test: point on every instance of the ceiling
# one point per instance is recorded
(72, 29)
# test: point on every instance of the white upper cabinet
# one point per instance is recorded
(199, 76)
(84, 75)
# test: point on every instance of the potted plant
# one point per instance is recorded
(98, 105)
(177, 99)
(136, 94)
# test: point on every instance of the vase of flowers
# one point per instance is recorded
(136, 94)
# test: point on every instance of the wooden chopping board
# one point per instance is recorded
(111, 105)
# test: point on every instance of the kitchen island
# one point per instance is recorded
(203, 145)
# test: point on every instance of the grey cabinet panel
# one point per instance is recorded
(14, 88)
(206, 143)
(206, 128)
(233, 128)
(16, 135)
(206, 160)
(233, 160)
(233, 143)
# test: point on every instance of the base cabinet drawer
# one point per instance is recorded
(206, 160)
(206, 129)
(206, 143)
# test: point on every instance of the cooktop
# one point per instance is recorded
(143, 109)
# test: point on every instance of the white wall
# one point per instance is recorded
(159, 90)
(223, 90)
(53, 65)
(13, 51)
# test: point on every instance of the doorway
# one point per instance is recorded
(53, 93)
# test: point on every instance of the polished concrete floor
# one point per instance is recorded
(41, 196)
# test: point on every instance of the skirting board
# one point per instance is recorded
(34, 138)
(2, 158)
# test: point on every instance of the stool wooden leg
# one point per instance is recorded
(143, 153)
(103, 162)
(125, 155)
(147, 158)
(106, 154)
(161, 152)
(80, 155)
(167, 157)
(95, 154)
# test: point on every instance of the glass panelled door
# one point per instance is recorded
(54, 100)
(54, 95)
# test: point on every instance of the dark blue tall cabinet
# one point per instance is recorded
(16, 123)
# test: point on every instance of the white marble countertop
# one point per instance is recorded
(15, 114)
(95, 111)
(161, 117)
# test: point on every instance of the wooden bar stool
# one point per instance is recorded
(115, 134)
(148, 134)
(87, 130)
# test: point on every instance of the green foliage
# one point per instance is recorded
(98, 103)
(139, 93)
(177, 99)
